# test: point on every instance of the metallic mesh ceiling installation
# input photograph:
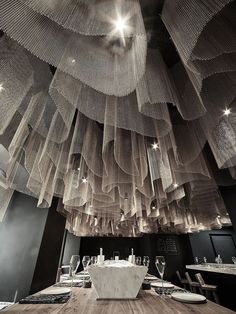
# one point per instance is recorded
(98, 134)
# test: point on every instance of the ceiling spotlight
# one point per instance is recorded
(175, 185)
(155, 146)
(1, 87)
(227, 111)
(120, 24)
(153, 205)
(84, 180)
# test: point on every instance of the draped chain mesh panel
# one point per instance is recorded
(114, 133)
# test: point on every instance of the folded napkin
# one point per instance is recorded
(45, 299)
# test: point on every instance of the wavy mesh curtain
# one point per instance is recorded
(99, 133)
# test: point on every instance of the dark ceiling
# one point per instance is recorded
(156, 31)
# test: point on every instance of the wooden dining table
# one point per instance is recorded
(83, 301)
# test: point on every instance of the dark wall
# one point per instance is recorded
(71, 247)
(20, 237)
(146, 245)
(229, 196)
(50, 250)
(202, 245)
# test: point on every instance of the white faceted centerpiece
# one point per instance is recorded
(117, 279)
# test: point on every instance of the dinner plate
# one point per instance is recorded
(75, 280)
(166, 285)
(56, 290)
(188, 297)
(79, 276)
(150, 278)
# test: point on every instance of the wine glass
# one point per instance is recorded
(74, 264)
(204, 260)
(138, 260)
(160, 265)
(146, 261)
(93, 260)
(234, 259)
(85, 262)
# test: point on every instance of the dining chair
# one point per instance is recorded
(194, 285)
(183, 281)
(208, 290)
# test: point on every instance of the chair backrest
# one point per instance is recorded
(188, 278)
(200, 279)
(178, 275)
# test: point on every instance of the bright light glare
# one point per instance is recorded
(155, 146)
(1, 87)
(120, 24)
(84, 180)
(227, 111)
(176, 185)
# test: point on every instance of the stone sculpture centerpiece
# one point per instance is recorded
(117, 279)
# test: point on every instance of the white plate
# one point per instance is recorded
(166, 285)
(56, 290)
(81, 275)
(74, 280)
(188, 297)
(151, 278)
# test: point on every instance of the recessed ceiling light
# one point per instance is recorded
(155, 146)
(84, 180)
(227, 111)
(120, 24)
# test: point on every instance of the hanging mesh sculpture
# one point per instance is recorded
(98, 134)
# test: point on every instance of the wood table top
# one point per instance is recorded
(83, 301)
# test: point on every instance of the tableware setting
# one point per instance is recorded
(163, 285)
(151, 278)
(192, 298)
(55, 291)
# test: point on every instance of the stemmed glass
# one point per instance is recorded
(85, 262)
(146, 261)
(93, 260)
(138, 260)
(160, 265)
(234, 259)
(74, 264)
